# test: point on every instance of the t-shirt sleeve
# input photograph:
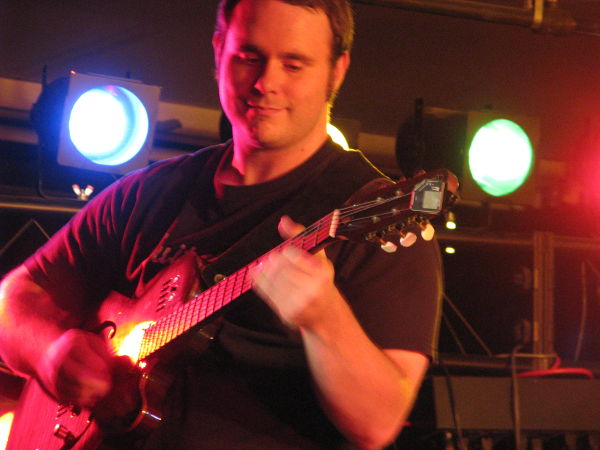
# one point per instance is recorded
(396, 297)
(77, 265)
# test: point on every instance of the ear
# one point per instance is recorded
(217, 43)
(339, 70)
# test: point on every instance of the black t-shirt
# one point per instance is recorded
(252, 389)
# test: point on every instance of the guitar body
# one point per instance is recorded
(134, 407)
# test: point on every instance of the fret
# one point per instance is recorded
(181, 328)
(150, 344)
(159, 332)
(239, 282)
(221, 295)
(203, 307)
(224, 294)
(187, 316)
(198, 308)
(166, 330)
(145, 345)
(176, 328)
(210, 308)
(146, 341)
(184, 320)
(170, 329)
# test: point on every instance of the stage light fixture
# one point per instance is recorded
(450, 220)
(105, 124)
(491, 152)
(500, 158)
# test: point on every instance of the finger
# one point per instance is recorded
(288, 228)
(301, 260)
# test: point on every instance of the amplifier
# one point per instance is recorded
(485, 404)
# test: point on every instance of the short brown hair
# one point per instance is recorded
(338, 12)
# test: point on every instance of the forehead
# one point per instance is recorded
(276, 24)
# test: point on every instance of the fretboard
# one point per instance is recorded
(204, 305)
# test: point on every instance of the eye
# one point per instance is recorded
(249, 58)
(293, 67)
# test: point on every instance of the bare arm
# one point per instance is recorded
(366, 391)
(39, 339)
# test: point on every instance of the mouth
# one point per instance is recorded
(263, 109)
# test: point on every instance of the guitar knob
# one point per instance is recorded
(388, 247)
(427, 231)
(408, 239)
(62, 432)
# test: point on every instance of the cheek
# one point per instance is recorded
(314, 92)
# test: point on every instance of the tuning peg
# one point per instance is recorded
(388, 246)
(407, 239)
(427, 231)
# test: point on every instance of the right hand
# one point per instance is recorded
(76, 368)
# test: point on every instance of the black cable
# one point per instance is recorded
(458, 438)
(516, 407)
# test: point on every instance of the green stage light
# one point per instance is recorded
(491, 152)
(500, 157)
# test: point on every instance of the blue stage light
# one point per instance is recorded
(108, 125)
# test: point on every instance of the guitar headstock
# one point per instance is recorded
(384, 212)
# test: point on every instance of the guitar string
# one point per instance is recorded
(208, 293)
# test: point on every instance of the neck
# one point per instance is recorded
(248, 165)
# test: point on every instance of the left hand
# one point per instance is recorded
(297, 285)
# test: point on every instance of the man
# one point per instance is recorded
(351, 342)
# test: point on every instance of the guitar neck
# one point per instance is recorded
(215, 298)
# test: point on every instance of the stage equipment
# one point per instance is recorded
(98, 123)
(450, 217)
(547, 404)
(492, 152)
(464, 412)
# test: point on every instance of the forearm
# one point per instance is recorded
(365, 393)
(29, 321)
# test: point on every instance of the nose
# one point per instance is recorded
(269, 78)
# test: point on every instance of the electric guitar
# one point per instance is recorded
(174, 319)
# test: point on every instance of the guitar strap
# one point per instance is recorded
(339, 176)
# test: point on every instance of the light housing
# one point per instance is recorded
(474, 145)
(107, 123)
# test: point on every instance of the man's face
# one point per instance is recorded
(275, 73)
